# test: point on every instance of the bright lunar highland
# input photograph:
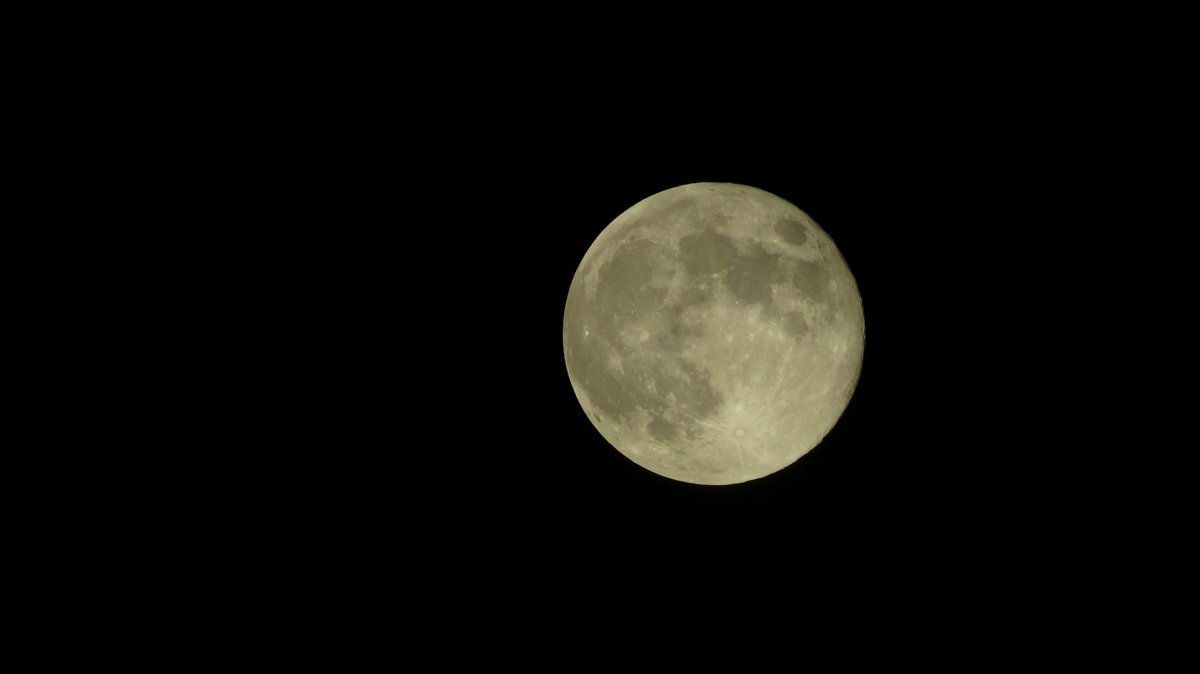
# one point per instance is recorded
(713, 333)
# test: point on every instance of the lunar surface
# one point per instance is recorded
(713, 333)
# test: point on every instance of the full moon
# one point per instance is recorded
(713, 333)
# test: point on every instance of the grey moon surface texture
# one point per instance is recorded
(713, 333)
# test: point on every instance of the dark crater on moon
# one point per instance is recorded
(792, 231)
(706, 252)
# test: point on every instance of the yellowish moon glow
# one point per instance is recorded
(713, 333)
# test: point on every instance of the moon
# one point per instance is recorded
(713, 333)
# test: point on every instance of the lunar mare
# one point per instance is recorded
(713, 333)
